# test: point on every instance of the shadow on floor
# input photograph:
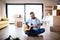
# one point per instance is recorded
(35, 38)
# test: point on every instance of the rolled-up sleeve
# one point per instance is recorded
(38, 21)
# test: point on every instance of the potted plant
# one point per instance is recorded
(16, 38)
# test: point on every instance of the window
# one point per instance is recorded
(24, 9)
(37, 9)
(14, 10)
(58, 6)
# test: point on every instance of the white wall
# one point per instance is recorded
(0, 9)
(3, 2)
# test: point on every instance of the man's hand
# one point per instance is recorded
(39, 24)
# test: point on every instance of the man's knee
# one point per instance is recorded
(26, 32)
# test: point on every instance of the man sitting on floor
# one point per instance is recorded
(32, 26)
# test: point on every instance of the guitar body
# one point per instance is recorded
(26, 28)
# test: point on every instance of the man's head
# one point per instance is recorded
(32, 15)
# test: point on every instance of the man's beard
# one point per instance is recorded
(33, 17)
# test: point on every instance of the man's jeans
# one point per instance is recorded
(35, 32)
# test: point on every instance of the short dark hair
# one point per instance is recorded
(31, 13)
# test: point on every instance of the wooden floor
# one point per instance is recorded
(12, 30)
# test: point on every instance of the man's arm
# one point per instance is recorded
(26, 26)
(38, 23)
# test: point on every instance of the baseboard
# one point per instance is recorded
(3, 28)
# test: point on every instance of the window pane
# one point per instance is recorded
(24, 10)
(37, 9)
(58, 6)
(13, 10)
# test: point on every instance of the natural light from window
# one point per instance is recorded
(58, 6)
(14, 10)
(37, 9)
(24, 10)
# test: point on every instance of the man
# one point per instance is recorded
(34, 29)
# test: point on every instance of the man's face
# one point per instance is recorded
(32, 16)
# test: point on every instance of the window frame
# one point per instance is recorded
(25, 8)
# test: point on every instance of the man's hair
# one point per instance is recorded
(31, 13)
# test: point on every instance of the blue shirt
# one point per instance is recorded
(37, 21)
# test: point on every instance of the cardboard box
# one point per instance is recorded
(19, 24)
